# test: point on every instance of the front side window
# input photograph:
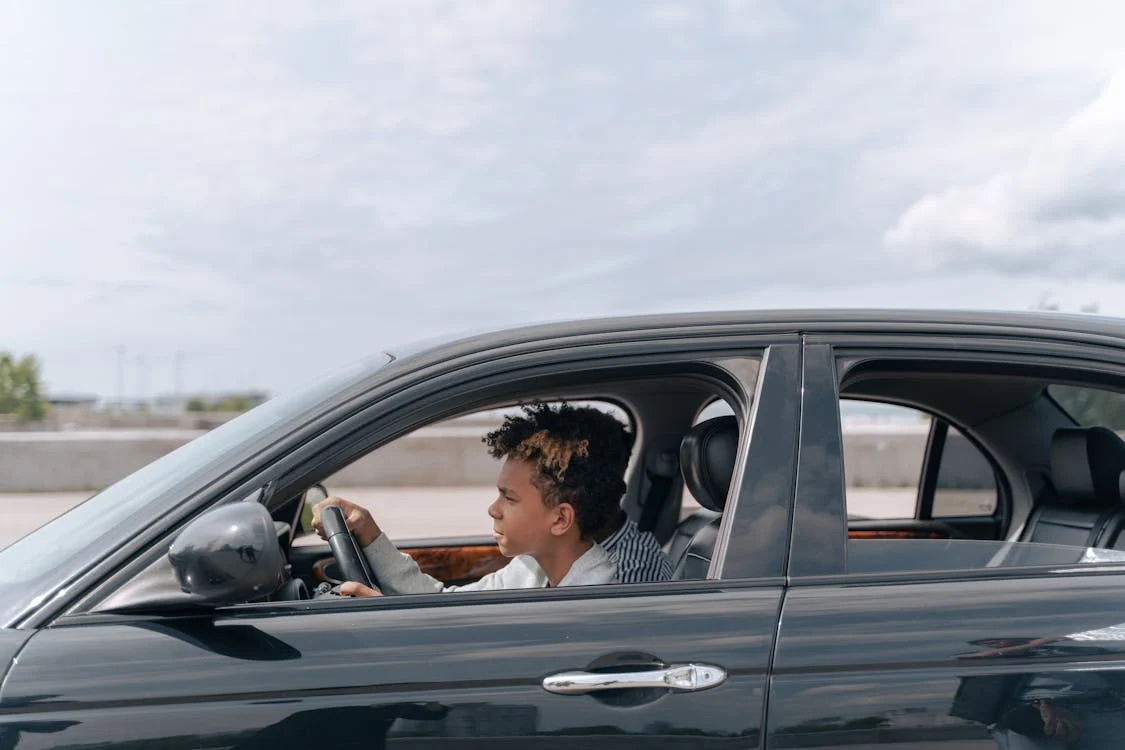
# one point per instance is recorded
(509, 498)
(435, 484)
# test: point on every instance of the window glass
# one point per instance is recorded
(717, 408)
(437, 482)
(884, 447)
(430, 492)
(902, 555)
(966, 482)
(1091, 406)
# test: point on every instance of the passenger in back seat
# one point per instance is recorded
(637, 553)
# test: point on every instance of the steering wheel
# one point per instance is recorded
(349, 556)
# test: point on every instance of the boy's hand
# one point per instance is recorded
(359, 520)
(1060, 723)
(353, 588)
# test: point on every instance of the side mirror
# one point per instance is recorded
(229, 555)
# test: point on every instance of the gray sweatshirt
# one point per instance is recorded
(399, 574)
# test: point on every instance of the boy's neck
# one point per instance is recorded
(557, 562)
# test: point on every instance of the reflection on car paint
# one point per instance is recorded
(1001, 663)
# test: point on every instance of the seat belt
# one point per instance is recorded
(661, 471)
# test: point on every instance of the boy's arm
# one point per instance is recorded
(399, 574)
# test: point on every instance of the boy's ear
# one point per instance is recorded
(565, 519)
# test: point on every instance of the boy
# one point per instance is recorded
(561, 481)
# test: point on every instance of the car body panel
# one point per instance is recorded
(459, 668)
(11, 641)
(933, 664)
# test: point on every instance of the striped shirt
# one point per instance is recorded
(637, 555)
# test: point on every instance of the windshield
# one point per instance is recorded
(41, 556)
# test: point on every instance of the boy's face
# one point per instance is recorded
(522, 523)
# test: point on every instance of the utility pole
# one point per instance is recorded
(179, 373)
(142, 384)
(120, 378)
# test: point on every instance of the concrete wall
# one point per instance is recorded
(878, 456)
(69, 461)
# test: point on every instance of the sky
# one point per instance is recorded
(265, 190)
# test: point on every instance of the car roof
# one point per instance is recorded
(877, 320)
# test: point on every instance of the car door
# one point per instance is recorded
(686, 660)
(339, 674)
(918, 653)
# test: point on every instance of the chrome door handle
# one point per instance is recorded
(681, 678)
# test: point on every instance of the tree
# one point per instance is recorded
(20, 391)
(224, 404)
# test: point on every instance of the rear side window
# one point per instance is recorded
(1091, 407)
(966, 482)
(884, 449)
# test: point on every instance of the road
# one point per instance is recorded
(409, 512)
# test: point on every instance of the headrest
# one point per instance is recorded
(1087, 464)
(707, 460)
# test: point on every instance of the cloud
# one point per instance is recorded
(279, 187)
(1061, 208)
(673, 14)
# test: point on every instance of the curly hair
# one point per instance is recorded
(580, 455)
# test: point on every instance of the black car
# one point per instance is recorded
(173, 610)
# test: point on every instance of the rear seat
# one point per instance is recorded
(1085, 507)
(707, 455)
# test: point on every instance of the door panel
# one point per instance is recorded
(467, 669)
(955, 664)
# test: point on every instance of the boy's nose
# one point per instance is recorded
(494, 509)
